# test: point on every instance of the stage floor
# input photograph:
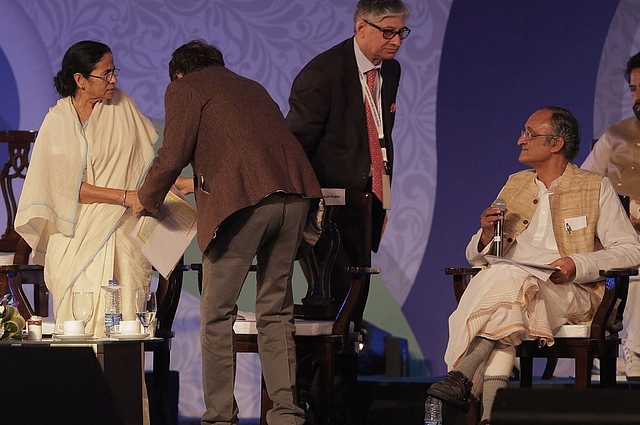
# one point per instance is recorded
(388, 401)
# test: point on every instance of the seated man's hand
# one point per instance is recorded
(567, 272)
(488, 220)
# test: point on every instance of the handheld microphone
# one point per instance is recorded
(497, 234)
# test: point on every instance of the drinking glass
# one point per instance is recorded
(82, 306)
(146, 308)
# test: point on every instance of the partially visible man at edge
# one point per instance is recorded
(617, 155)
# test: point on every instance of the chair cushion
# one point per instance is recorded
(573, 331)
(246, 324)
(6, 258)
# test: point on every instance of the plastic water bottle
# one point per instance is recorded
(432, 411)
(112, 307)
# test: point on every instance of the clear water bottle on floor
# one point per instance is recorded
(432, 411)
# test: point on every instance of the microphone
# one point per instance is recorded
(497, 235)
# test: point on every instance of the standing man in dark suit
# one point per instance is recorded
(253, 187)
(329, 117)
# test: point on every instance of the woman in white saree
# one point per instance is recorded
(90, 156)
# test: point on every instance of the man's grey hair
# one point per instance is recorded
(564, 124)
(377, 10)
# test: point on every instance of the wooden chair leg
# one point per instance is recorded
(583, 370)
(161, 366)
(526, 372)
(265, 403)
(326, 373)
(608, 372)
(41, 300)
(550, 367)
(475, 410)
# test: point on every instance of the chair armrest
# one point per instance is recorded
(619, 272)
(461, 278)
(614, 297)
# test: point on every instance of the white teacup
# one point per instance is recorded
(71, 327)
(128, 327)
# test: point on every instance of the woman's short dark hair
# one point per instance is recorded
(82, 57)
(565, 125)
(193, 56)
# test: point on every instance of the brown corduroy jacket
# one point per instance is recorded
(234, 136)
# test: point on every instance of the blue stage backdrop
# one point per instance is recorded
(501, 60)
(9, 118)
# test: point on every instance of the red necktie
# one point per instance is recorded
(374, 143)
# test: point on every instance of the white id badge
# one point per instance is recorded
(386, 192)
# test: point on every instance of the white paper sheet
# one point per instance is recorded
(164, 239)
(334, 196)
(541, 271)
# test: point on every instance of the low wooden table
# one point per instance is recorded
(90, 382)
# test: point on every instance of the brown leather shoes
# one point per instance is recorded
(454, 390)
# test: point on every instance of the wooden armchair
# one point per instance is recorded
(580, 342)
(16, 271)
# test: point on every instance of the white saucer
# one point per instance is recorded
(129, 336)
(79, 337)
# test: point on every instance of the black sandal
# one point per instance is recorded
(454, 390)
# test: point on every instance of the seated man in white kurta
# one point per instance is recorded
(556, 214)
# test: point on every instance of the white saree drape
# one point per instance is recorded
(82, 246)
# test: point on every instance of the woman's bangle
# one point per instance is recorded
(124, 198)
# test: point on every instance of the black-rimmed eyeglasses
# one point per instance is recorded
(527, 135)
(388, 33)
(108, 76)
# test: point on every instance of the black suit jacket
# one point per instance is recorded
(327, 116)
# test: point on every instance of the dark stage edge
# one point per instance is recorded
(390, 401)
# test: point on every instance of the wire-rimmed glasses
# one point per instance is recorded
(113, 73)
(527, 135)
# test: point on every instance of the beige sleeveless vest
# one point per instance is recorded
(576, 195)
